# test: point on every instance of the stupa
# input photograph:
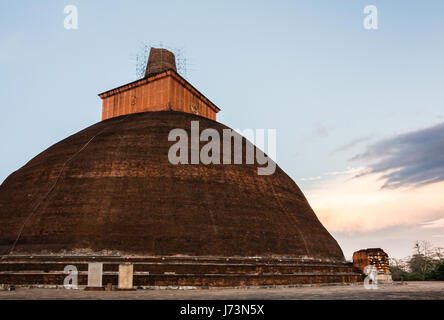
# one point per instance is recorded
(109, 194)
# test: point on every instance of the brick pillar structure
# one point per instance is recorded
(376, 257)
(160, 60)
(162, 89)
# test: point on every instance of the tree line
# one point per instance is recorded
(425, 264)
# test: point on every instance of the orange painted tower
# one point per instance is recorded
(161, 89)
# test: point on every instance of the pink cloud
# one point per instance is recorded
(344, 204)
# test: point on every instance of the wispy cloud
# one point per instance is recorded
(351, 144)
(360, 205)
(391, 197)
(439, 223)
(349, 170)
(325, 175)
(311, 178)
(322, 130)
(411, 159)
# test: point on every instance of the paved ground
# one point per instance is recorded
(410, 290)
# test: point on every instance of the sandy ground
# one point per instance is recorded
(408, 290)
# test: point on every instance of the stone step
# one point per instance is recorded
(185, 268)
(119, 259)
(180, 271)
(193, 280)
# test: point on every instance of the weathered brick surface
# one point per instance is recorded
(189, 280)
(160, 60)
(72, 259)
(121, 194)
(373, 256)
(166, 91)
(162, 89)
(187, 268)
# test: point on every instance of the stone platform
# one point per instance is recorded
(407, 291)
(178, 272)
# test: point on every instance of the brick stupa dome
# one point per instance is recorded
(120, 193)
(109, 195)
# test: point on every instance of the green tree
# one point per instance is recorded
(398, 269)
(438, 272)
(398, 273)
(421, 264)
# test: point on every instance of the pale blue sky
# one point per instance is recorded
(307, 68)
